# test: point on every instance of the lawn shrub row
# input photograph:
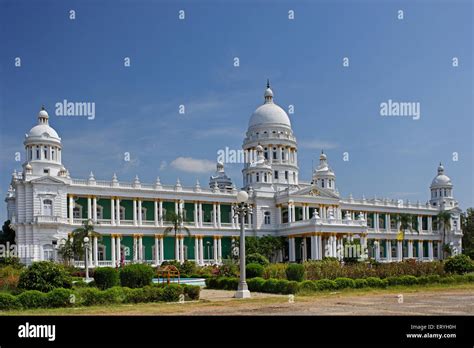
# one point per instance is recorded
(283, 286)
(93, 296)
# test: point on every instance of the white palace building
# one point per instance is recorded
(45, 204)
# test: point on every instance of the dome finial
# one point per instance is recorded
(268, 83)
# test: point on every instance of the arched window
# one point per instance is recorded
(48, 207)
(48, 252)
(45, 152)
(322, 182)
(257, 177)
(267, 219)
(37, 152)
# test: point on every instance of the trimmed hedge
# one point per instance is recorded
(136, 275)
(106, 277)
(459, 264)
(32, 299)
(254, 270)
(282, 286)
(8, 301)
(295, 271)
(59, 298)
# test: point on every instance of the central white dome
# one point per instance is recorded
(43, 130)
(269, 113)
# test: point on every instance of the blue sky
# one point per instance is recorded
(190, 62)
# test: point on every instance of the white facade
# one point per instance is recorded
(41, 204)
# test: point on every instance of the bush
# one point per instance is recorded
(459, 264)
(8, 301)
(228, 283)
(292, 287)
(172, 292)
(136, 275)
(257, 258)
(59, 298)
(254, 270)
(343, 283)
(44, 276)
(433, 278)
(295, 271)
(32, 299)
(408, 280)
(91, 297)
(106, 277)
(9, 277)
(153, 293)
(79, 284)
(281, 286)
(275, 271)
(211, 283)
(113, 295)
(326, 284)
(192, 291)
(256, 284)
(134, 295)
(270, 286)
(187, 267)
(360, 283)
(375, 282)
(308, 286)
(447, 280)
(228, 269)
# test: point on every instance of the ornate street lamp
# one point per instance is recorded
(86, 247)
(241, 209)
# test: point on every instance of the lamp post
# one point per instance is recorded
(86, 247)
(241, 209)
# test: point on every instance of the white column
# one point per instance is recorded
(320, 247)
(219, 250)
(176, 207)
(430, 250)
(176, 249)
(160, 213)
(135, 249)
(313, 242)
(377, 250)
(304, 212)
(181, 249)
(216, 260)
(96, 252)
(140, 248)
(303, 246)
(232, 217)
(201, 250)
(112, 250)
(89, 208)
(155, 213)
(363, 243)
(293, 207)
(376, 221)
(196, 215)
(71, 209)
(291, 248)
(214, 215)
(399, 250)
(140, 217)
(290, 213)
(410, 249)
(420, 224)
(134, 212)
(430, 224)
(162, 249)
(420, 250)
(218, 215)
(94, 209)
(118, 252)
(117, 211)
(196, 250)
(440, 251)
(157, 246)
(112, 211)
(334, 246)
(388, 247)
(387, 222)
(279, 221)
(200, 214)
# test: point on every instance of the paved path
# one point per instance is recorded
(435, 302)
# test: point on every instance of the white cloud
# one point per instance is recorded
(317, 145)
(193, 165)
(163, 165)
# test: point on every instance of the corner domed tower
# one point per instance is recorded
(220, 179)
(323, 176)
(442, 190)
(43, 149)
(270, 127)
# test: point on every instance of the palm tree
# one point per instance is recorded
(405, 221)
(66, 251)
(177, 227)
(78, 235)
(444, 219)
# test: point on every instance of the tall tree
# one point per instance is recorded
(444, 220)
(177, 227)
(76, 240)
(467, 225)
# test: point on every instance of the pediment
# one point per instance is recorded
(316, 192)
(47, 180)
